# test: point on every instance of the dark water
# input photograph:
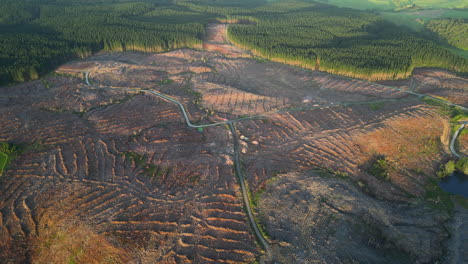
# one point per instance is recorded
(457, 183)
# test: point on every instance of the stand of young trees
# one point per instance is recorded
(342, 41)
(37, 36)
(454, 31)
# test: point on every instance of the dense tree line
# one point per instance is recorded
(38, 35)
(454, 31)
(342, 41)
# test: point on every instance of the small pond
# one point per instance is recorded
(457, 183)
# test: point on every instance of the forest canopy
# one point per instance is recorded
(39, 35)
(342, 41)
(454, 31)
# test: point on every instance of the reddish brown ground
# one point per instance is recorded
(77, 172)
(344, 139)
(216, 41)
(438, 83)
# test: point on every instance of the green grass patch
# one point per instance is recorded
(3, 162)
(433, 102)
(256, 197)
(254, 201)
(166, 81)
(437, 198)
(376, 106)
(8, 152)
(464, 132)
(455, 114)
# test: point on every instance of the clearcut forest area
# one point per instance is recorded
(233, 131)
(37, 36)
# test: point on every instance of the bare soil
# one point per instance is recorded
(216, 40)
(438, 83)
(323, 219)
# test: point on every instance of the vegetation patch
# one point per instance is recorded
(8, 152)
(446, 169)
(254, 200)
(378, 166)
(462, 165)
(451, 166)
(166, 81)
(3, 162)
(376, 106)
(437, 198)
(346, 42)
(456, 114)
(452, 31)
(38, 36)
(155, 172)
(150, 170)
(139, 160)
(327, 172)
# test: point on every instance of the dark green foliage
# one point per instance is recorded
(155, 172)
(150, 170)
(462, 165)
(453, 31)
(376, 106)
(378, 167)
(166, 81)
(3, 161)
(343, 41)
(8, 153)
(135, 157)
(451, 166)
(446, 169)
(37, 36)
